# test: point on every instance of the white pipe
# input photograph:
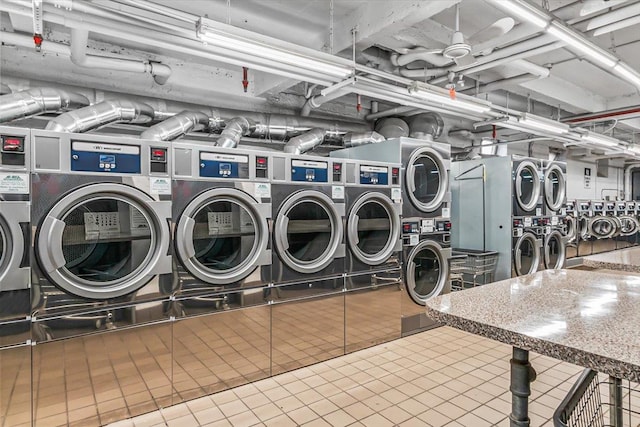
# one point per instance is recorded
(617, 26)
(316, 101)
(627, 179)
(531, 68)
(614, 16)
(389, 112)
(79, 40)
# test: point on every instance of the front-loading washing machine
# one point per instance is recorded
(308, 209)
(602, 226)
(625, 212)
(426, 253)
(15, 303)
(373, 256)
(222, 264)
(527, 237)
(554, 189)
(528, 187)
(425, 172)
(101, 264)
(554, 243)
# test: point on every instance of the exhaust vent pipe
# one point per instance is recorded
(101, 114)
(36, 101)
(392, 128)
(426, 126)
(355, 139)
(178, 125)
(307, 141)
(235, 129)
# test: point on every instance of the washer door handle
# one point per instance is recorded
(184, 239)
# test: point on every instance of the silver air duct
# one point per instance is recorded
(426, 126)
(305, 142)
(356, 139)
(179, 125)
(36, 101)
(4, 89)
(392, 128)
(235, 129)
(101, 114)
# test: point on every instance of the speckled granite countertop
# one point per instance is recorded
(582, 317)
(623, 259)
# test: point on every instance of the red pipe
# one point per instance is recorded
(603, 115)
(245, 78)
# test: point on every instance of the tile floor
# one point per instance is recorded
(442, 377)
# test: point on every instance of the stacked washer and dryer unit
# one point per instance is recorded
(100, 270)
(426, 228)
(525, 227)
(15, 306)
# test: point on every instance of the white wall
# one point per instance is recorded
(600, 187)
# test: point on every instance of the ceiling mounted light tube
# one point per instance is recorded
(255, 45)
(598, 139)
(422, 91)
(523, 11)
(589, 49)
(540, 123)
(628, 74)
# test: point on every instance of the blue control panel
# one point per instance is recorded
(109, 158)
(218, 165)
(374, 175)
(309, 171)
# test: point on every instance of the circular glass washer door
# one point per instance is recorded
(307, 231)
(527, 185)
(427, 271)
(103, 240)
(601, 227)
(373, 228)
(427, 179)
(583, 227)
(629, 225)
(572, 228)
(221, 235)
(526, 254)
(555, 187)
(554, 250)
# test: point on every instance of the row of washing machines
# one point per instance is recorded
(134, 273)
(514, 206)
(601, 225)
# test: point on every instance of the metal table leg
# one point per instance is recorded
(615, 398)
(522, 375)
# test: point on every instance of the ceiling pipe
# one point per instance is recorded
(614, 16)
(395, 111)
(315, 102)
(603, 116)
(100, 114)
(306, 142)
(234, 129)
(37, 101)
(179, 125)
(357, 139)
(500, 84)
(79, 40)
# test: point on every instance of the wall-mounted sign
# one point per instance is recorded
(587, 177)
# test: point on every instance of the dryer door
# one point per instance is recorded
(601, 227)
(427, 271)
(526, 254)
(554, 250)
(555, 187)
(222, 236)
(373, 228)
(527, 185)
(629, 225)
(104, 241)
(572, 228)
(14, 240)
(426, 179)
(308, 231)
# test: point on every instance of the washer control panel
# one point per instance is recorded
(102, 157)
(222, 165)
(374, 175)
(309, 171)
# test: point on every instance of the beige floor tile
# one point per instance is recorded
(339, 418)
(377, 420)
(302, 415)
(268, 411)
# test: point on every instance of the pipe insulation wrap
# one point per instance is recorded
(355, 139)
(235, 129)
(305, 142)
(178, 125)
(38, 100)
(100, 114)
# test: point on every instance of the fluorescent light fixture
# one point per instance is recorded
(547, 125)
(628, 74)
(427, 93)
(522, 10)
(255, 46)
(577, 42)
(598, 139)
(634, 148)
